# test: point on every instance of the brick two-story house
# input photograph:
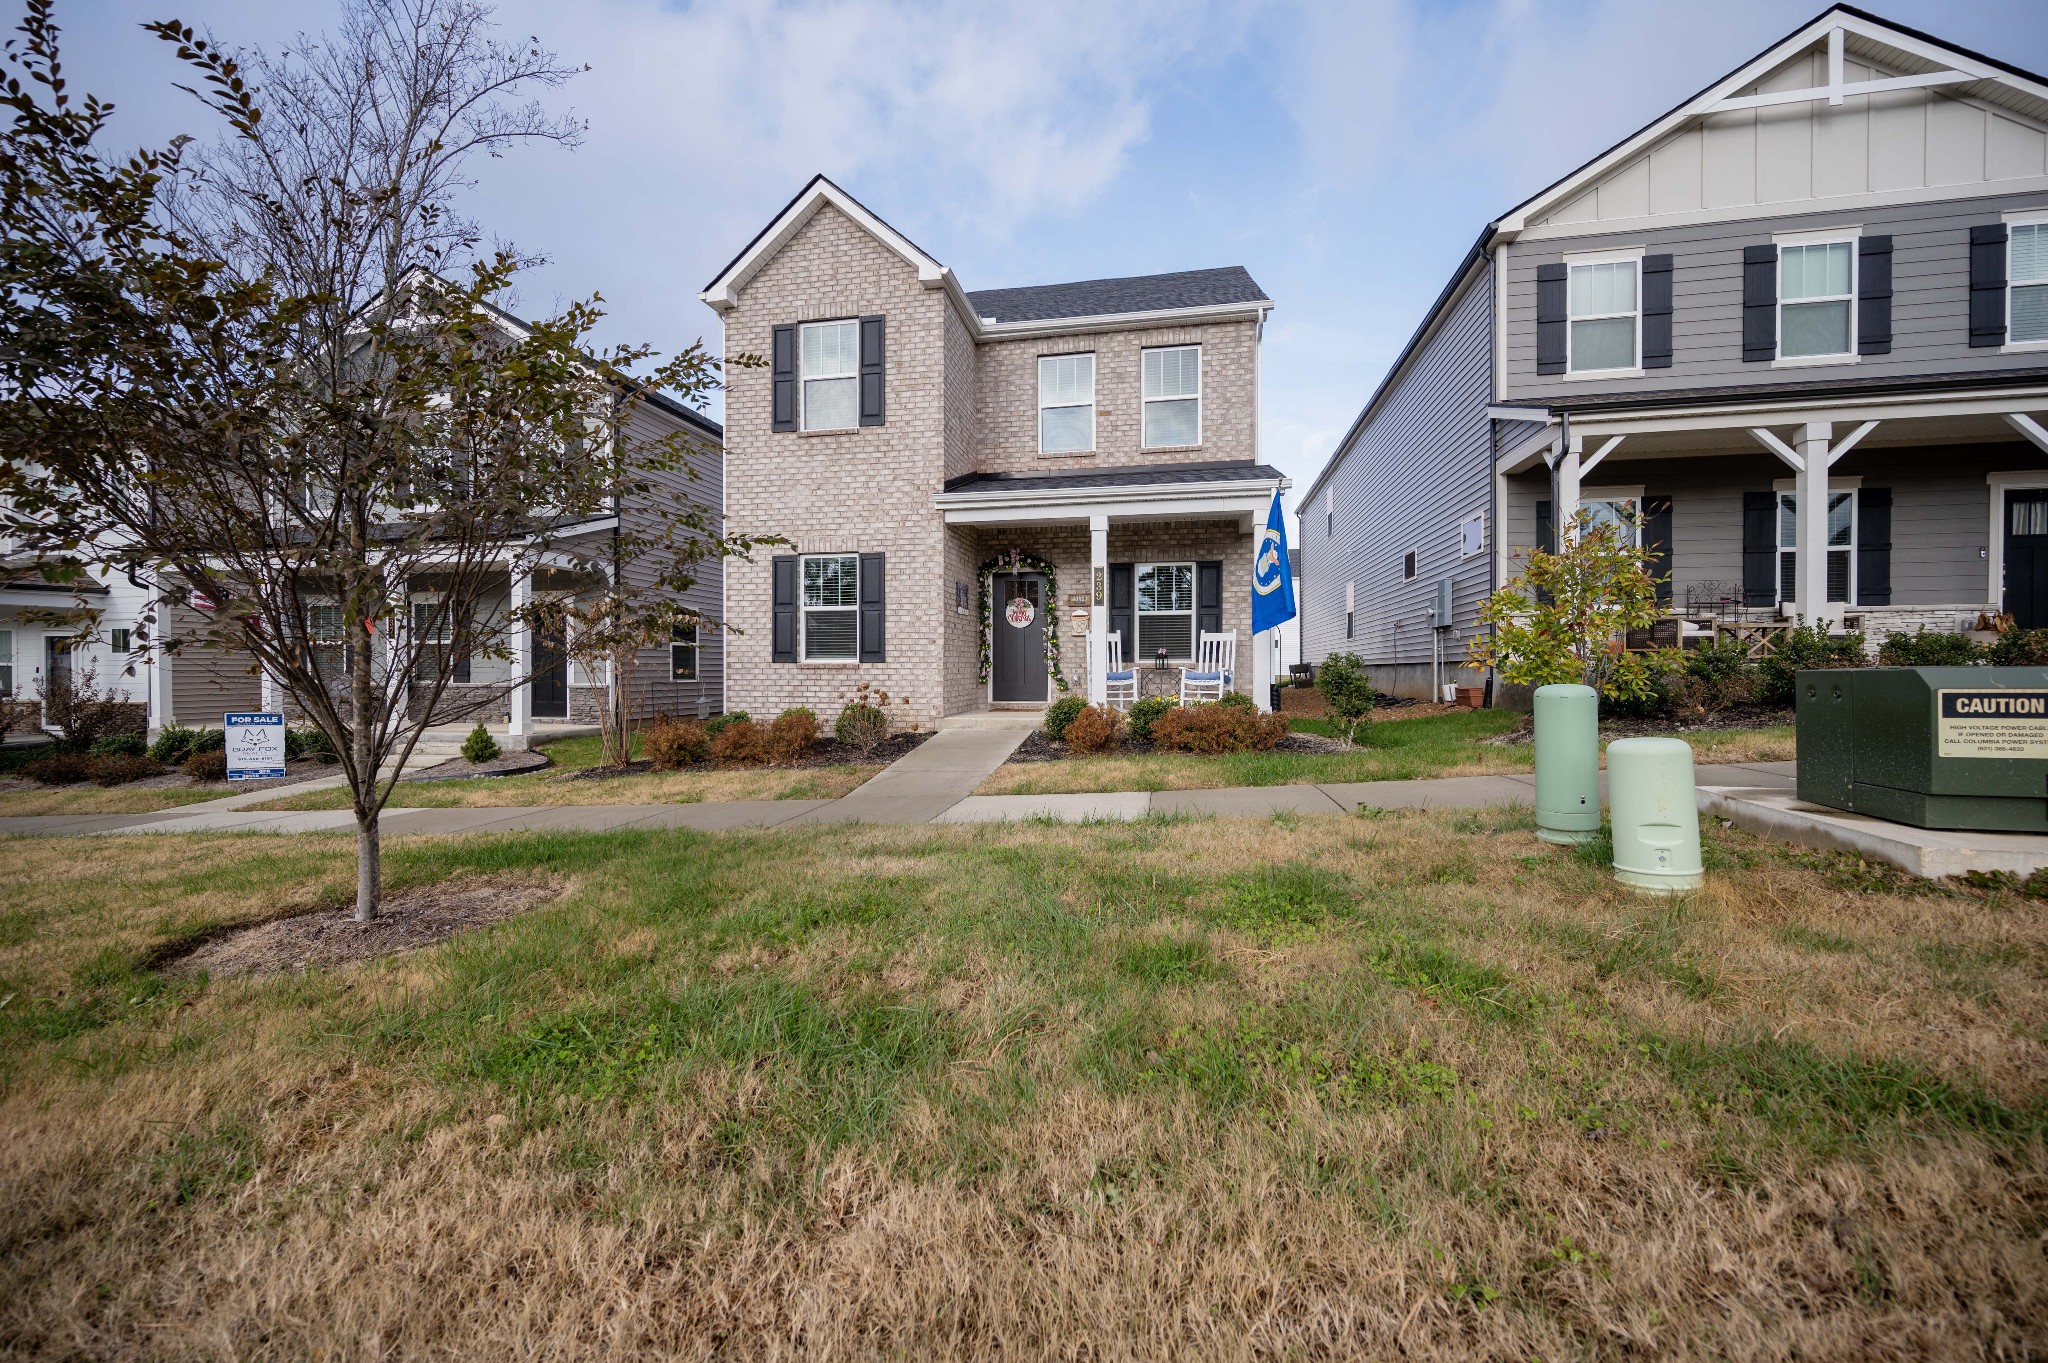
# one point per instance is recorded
(980, 490)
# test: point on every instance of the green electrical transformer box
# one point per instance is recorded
(1936, 747)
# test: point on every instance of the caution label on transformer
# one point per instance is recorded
(1993, 723)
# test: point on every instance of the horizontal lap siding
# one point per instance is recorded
(672, 492)
(1419, 467)
(1930, 302)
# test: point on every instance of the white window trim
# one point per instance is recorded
(803, 407)
(803, 612)
(1044, 406)
(2016, 480)
(1201, 383)
(1854, 487)
(1632, 494)
(696, 647)
(2018, 218)
(1193, 612)
(1632, 255)
(1850, 236)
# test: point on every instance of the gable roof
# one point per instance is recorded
(1134, 293)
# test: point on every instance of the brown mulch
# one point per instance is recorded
(1039, 748)
(828, 752)
(331, 936)
(507, 763)
(1735, 717)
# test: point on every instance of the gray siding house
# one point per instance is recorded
(1793, 335)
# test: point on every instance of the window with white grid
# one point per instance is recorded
(1066, 403)
(1172, 396)
(830, 361)
(831, 608)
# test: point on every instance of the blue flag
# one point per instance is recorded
(1272, 576)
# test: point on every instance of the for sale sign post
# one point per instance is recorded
(255, 744)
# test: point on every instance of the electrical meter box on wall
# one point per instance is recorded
(1935, 747)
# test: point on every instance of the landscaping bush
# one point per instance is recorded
(794, 733)
(862, 727)
(173, 744)
(1094, 730)
(207, 766)
(718, 724)
(59, 769)
(1713, 678)
(18, 714)
(119, 745)
(672, 743)
(1145, 713)
(1347, 691)
(740, 744)
(1213, 728)
(78, 707)
(1809, 646)
(2020, 648)
(1929, 648)
(209, 740)
(1060, 714)
(309, 742)
(117, 769)
(479, 746)
(1238, 699)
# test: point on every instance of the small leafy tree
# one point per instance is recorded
(1347, 690)
(1561, 619)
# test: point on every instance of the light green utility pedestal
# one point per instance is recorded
(1567, 763)
(1656, 814)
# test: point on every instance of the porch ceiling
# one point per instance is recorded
(1239, 491)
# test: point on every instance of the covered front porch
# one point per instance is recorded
(1877, 515)
(1055, 577)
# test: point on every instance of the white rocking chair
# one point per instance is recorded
(1120, 683)
(1210, 677)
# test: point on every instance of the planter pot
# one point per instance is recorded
(1470, 697)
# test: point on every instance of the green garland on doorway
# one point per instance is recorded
(1017, 561)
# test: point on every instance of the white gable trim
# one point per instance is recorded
(723, 292)
(1832, 26)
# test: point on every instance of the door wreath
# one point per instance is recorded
(1017, 561)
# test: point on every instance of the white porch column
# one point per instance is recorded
(1811, 525)
(270, 694)
(397, 681)
(1567, 505)
(1098, 611)
(161, 710)
(520, 663)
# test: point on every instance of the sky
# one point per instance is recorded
(1347, 154)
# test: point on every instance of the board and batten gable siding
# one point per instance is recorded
(1421, 464)
(1930, 300)
(672, 492)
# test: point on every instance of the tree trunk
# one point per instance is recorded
(369, 867)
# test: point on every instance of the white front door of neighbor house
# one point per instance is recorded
(1018, 649)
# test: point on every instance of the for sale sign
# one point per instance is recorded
(1994, 722)
(255, 744)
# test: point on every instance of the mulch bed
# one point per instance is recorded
(1039, 748)
(331, 936)
(829, 752)
(462, 769)
(1735, 717)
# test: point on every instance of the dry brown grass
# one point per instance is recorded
(23, 797)
(1409, 1086)
(650, 788)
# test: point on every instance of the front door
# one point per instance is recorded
(550, 675)
(1019, 645)
(2026, 557)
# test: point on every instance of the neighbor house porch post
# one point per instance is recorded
(521, 660)
(1810, 527)
(161, 710)
(1098, 611)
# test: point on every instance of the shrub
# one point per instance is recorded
(1146, 713)
(741, 744)
(2018, 647)
(1060, 714)
(116, 769)
(1714, 677)
(1094, 729)
(794, 733)
(119, 745)
(59, 769)
(173, 744)
(1215, 728)
(672, 743)
(1809, 646)
(207, 766)
(18, 714)
(1236, 698)
(1929, 648)
(1555, 621)
(1643, 684)
(718, 724)
(862, 727)
(479, 746)
(78, 707)
(209, 740)
(309, 742)
(1347, 691)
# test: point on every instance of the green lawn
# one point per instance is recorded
(1411, 1085)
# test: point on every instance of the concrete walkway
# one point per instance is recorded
(935, 790)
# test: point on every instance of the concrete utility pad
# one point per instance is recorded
(1928, 852)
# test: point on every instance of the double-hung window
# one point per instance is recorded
(1066, 403)
(1173, 396)
(830, 367)
(682, 653)
(6, 663)
(831, 608)
(1619, 514)
(327, 642)
(1166, 609)
(436, 642)
(1841, 546)
(1816, 299)
(2027, 273)
(1605, 308)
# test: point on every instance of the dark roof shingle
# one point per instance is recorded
(1108, 297)
(1119, 475)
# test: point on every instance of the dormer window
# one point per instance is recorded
(830, 361)
(1066, 403)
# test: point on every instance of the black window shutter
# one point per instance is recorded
(1759, 548)
(783, 385)
(1874, 546)
(1550, 319)
(1546, 532)
(1874, 296)
(1760, 304)
(1987, 285)
(1656, 312)
(1657, 540)
(1122, 579)
(872, 406)
(874, 608)
(1208, 598)
(783, 637)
